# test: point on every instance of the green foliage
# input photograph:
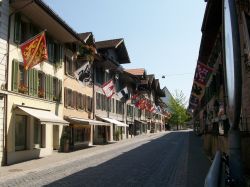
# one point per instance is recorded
(177, 106)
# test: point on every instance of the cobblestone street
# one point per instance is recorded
(164, 159)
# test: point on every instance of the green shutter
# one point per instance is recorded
(47, 87)
(30, 81)
(61, 54)
(15, 73)
(60, 90)
(35, 79)
(51, 88)
(17, 28)
(65, 97)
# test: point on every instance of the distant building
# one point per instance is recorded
(167, 97)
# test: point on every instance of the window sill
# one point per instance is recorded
(33, 97)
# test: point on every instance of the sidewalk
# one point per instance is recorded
(57, 159)
(198, 163)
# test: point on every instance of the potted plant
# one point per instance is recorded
(23, 88)
(41, 93)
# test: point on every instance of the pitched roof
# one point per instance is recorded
(137, 72)
(109, 43)
(84, 36)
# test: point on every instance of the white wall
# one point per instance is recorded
(4, 10)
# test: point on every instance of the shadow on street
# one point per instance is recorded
(167, 161)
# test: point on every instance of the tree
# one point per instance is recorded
(177, 106)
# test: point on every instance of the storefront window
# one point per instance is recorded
(37, 134)
(20, 132)
(81, 135)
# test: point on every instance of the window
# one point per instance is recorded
(38, 134)
(41, 84)
(70, 66)
(57, 89)
(89, 104)
(17, 28)
(119, 107)
(20, 132)
(69, 97)
(81, 135)
(55, 51)
(113, 105)
(23, 84)
(23, 30)
(98, 101)
(99, 75)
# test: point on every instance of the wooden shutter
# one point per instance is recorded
(15, 73)
(47, 87)
(35, 82)
(86, 103)
(30, 81)
(65, 97)
(61, 54)
(17, 29)
(51, 87)
(59, 90)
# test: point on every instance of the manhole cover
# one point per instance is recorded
(15, 170)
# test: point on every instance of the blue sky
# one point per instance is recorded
(161, 36)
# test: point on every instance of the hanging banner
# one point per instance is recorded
(202, 73)
(198, 90)
(108, 88)
(123, 94)
(83, 74)
(194, 100)
(34, 51)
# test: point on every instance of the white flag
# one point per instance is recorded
(83, 74)
(123, 94)
(108, 88)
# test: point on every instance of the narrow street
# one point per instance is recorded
(165, 159)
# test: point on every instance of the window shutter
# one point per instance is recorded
(35, 91)
(61, 53)
(97, 101)
(30, 82)
(74, 99)
(65, 97)
(15, 73)
(60, 90)
(17, 29)
(86, 102)
(66, 65)
(47, 87)
(51, 87)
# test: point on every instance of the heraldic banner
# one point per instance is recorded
(34, 51)
(108, 88)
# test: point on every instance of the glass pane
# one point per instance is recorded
(20, 132)
(37, 133)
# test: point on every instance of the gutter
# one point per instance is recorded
(47, 9)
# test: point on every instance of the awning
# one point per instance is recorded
(87, 121)
(145, 123)
(118, 123)
(45, 116)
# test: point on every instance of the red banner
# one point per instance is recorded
(34, 51)
(202, 73)
(108, 88)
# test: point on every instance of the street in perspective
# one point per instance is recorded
(141, 162)
(125, 93)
